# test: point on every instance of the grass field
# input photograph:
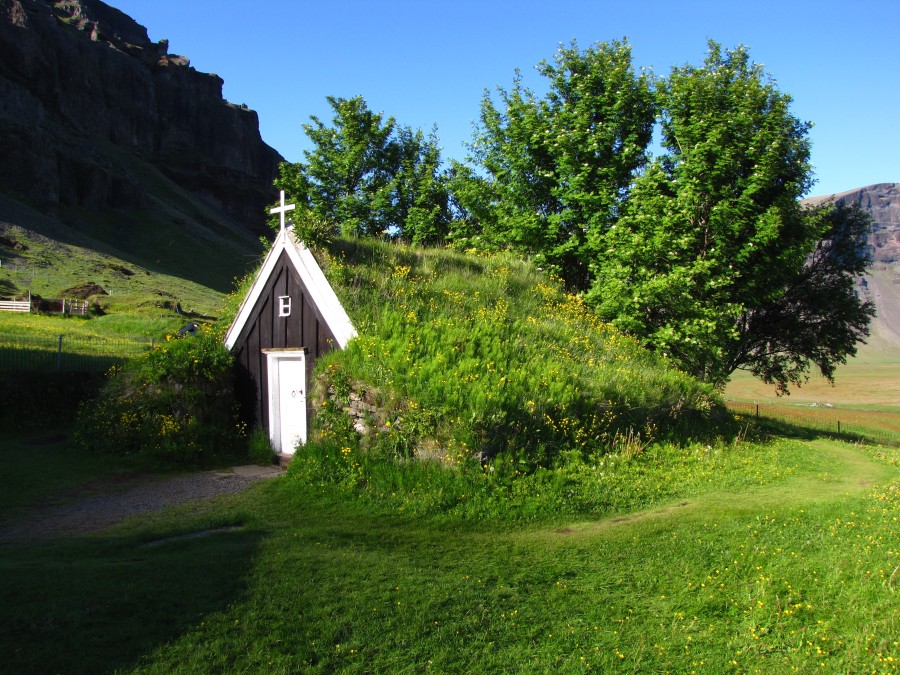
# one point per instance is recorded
(869, 381)
(39, 466)
(865, 386)
(796, 571)
(106, 327)
(40, 343)
(865, 396)
(847, 420)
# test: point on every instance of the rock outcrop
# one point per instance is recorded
(882, 201)
(87, 101)
(882, 284)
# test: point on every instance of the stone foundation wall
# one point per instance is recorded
(366, 416)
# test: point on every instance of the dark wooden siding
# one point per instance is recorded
(304, 328)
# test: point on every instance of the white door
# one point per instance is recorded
(287, 399)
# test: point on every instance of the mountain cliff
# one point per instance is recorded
(79, 75)
(882, 283)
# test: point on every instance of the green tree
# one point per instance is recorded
(367, 175)
(420, 189)
(713, 261)
(819, 317)
(553, 169)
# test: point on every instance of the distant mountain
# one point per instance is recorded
(882, 284)
(79, 75)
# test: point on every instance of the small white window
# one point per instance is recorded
(284, 305)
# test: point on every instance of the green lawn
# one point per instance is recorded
(41, 466)
(795, 572)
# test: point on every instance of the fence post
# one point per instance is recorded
(59, 355)
(839, 426)
(757, 411)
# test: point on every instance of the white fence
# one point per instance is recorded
(75, 307)
(64, 306)
(15, 305)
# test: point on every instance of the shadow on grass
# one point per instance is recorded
(101, 604)
(774, 427)
(8, 288)
(31, 399)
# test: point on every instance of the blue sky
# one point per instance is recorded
(428, 62)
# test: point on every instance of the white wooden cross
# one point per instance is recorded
(284, 208)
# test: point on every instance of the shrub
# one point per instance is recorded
(175, 404)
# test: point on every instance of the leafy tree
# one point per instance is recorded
(420, 190)
(819, 317)
(366, 175)
(346, 175)
(553, 169)
(713, 260)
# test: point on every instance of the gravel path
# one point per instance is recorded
(130, 496)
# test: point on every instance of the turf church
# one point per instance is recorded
(290, 317)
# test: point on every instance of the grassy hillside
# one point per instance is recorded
(146, 272)
(175, 252)
(597, 539)
(487, 353)
(500, 383)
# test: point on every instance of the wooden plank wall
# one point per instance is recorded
(304, 328)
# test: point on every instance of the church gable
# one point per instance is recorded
(289, 291)
(285, 314)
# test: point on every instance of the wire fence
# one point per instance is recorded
(67, 353)
(859, 429)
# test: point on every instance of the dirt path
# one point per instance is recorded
(98, 506)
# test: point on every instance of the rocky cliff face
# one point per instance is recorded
(882, 201)
(87, 101)
(882, 284)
